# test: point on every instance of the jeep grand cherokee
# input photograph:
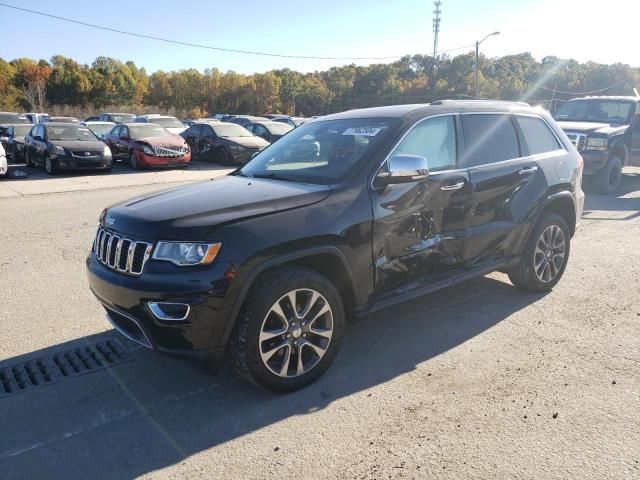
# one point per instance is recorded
(345, 215)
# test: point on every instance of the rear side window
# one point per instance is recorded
(434, 139)
(537, 136)
(488, 139)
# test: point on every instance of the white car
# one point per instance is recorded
(170, 123)
(4, 167)
(99, 128)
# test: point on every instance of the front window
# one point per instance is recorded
(599, 111)
(231, 130)
(138, 132)
(168, 122)
(70, 133)
(321, 152)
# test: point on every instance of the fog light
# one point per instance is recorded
(169, 311)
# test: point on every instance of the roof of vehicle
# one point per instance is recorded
(61, 124)
(117, 113)
(140, 125)
(440, 106)
(606, 97)
(268, 123)
(97, 122)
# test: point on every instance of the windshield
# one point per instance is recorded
(139, 132)
(122, 117)
(279, 128)
(70, 133)
(21, 130)
(231, 130)
(601, 111)
(168, 122)
(100, 128)
(320, 152)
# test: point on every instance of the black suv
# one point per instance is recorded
(606, 131)
(344, 215)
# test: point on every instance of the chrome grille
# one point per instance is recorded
(120, 253)
(579, 140)
(169, 152)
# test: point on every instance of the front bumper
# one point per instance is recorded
(594, 161)
(68, 162)
(126, 300)
(162, 162)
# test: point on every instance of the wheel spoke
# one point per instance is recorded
(292, 300)
(269, 334)
(270, 353)
(322, 332)
(325, 309)
(284, 369)
(310, 304)
(277, 309)
(299, 367)
(318, 349)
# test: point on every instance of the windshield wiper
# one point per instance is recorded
(273, 176)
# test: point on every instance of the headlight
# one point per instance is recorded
(596, 143)
(147, 150)
(183, 254)
(236, 147)
(58, 150)
(106, 153)
(186, 147)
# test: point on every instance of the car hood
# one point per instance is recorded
(79, 144)
(248, 141)
(194, 211)
(173, 141)
(593, 128)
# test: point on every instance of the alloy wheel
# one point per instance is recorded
(550, 253)
(296, 333)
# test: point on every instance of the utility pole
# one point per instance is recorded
(436, 30)
(437, 10)
(477, 69)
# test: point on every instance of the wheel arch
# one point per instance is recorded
(620, 149)
(328, 261)
(562, 204)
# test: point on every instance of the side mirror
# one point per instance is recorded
(405, 169)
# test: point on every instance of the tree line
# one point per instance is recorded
(63, 85)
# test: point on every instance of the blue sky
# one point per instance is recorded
(565, 28)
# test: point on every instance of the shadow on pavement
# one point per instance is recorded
(621, 201)
(153, 412)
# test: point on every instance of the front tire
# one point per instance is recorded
(545, 255)
(606, 181)
(289, 330)
(133, 160)
(27, 160)
(50, 166)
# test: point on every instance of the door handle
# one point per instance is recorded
(454, 186)
(528, 170)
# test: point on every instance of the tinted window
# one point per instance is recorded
(488, 139)
(321, 152)
(596, 110)
(434, 139)
(537, 135)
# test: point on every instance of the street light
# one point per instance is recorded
(478, 61)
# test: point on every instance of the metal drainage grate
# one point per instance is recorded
(47, 370)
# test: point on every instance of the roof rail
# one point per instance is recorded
(449, 101)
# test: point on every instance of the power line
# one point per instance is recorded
(189, 44)
(558, 91)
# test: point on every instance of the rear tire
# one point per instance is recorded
(606, 181)
(545, 255)
(284, 354)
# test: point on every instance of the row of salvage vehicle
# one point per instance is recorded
(145, 141)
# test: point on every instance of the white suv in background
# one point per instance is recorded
(170, 123)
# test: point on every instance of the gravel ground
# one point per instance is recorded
(476, 381)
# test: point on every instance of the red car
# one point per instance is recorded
(147, 145)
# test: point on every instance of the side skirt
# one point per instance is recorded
(422, 287)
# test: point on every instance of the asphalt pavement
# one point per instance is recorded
(475, 381)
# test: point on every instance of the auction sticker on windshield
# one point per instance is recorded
(362, 131)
